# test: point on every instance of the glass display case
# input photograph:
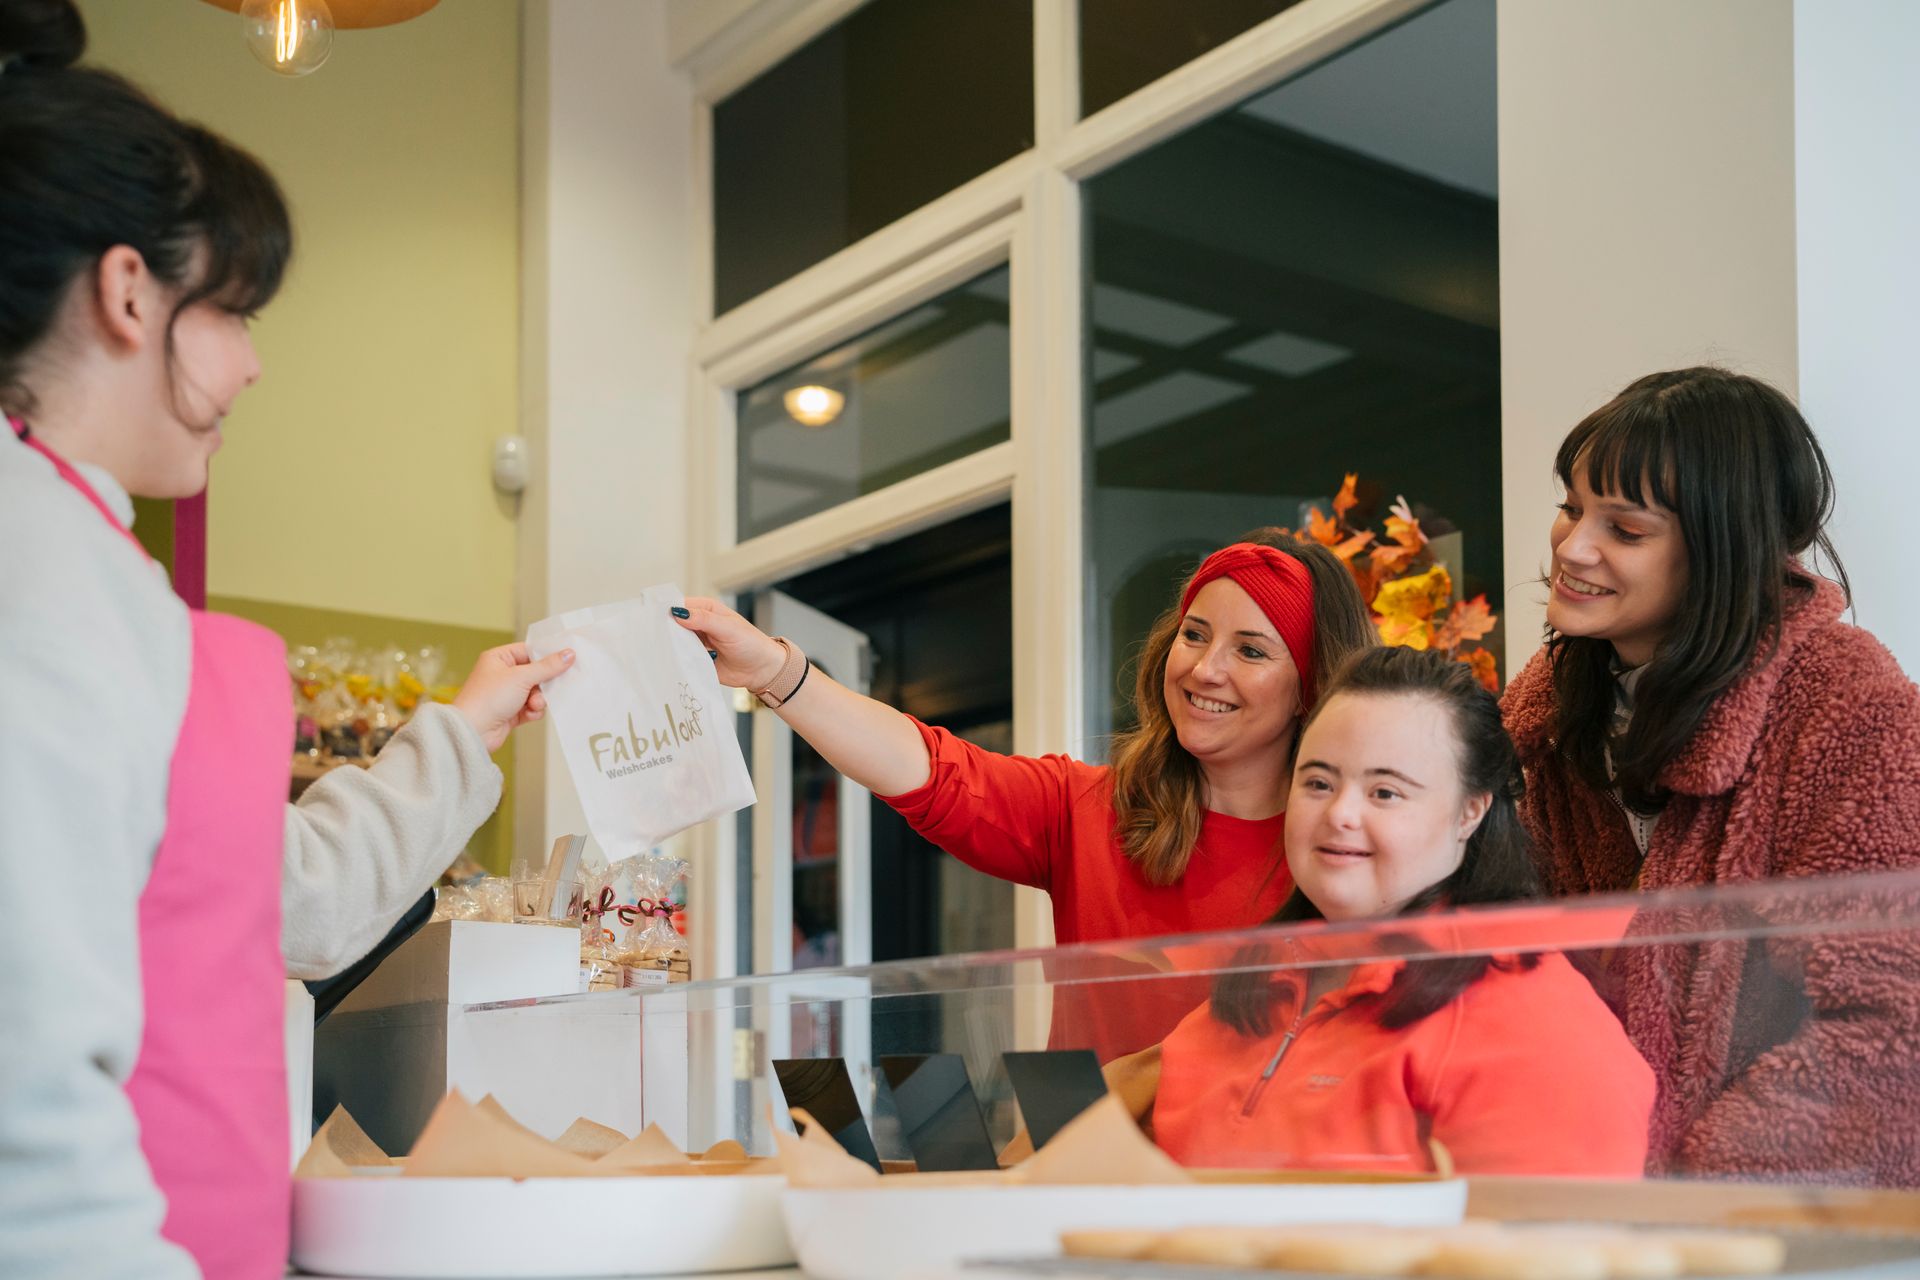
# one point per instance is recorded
(1766, 1032)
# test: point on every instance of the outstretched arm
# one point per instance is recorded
(362, 845)
(878, 747)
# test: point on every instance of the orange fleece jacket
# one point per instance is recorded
(1524, 1072)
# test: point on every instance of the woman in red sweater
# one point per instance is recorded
(1700, 715)
(1403, 801)
(1178, 834)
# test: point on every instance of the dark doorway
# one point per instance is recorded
(938, 607)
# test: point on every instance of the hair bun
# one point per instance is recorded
(41, 33)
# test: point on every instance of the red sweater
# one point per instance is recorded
(1048, 822)
(1794, 1059)
(1524, 1072)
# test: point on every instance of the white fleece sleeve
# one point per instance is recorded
(363, 844)
(93, 678)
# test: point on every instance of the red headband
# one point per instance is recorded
(1282, 588)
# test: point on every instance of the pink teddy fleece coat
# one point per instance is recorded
(1796, 1059)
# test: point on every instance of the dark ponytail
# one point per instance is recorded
(1496, 866)
(41, 33)
(87, 163)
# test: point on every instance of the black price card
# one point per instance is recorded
(939, 1115)
(822, 1088)
(1053, 1087)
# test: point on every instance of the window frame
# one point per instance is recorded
(1026, 213)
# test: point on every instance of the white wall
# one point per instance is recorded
(1646, 222)
(1856, 126)
(608, 329)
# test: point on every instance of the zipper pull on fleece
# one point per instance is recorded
(1273, 1065)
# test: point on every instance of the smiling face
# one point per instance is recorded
(1231, 688)
(1619, 571)
(1378, 813)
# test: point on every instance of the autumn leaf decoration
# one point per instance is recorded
(1411, 593)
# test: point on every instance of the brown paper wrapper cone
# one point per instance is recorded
(1102, 1146)
(340, 1147)
(466, 1141)
(585, 1138)
(652, 1149)
(814, 1159)
(481, 1140)
(1134, 1079)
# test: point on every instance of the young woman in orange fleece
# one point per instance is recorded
(1403, 799)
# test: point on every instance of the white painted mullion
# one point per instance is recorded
(1049, 569)
(712, 477)
(921, 279)
(950, 490)
(714, 882)
(772, 846)
(1257, 59)
(1056, 71)
(700, 194)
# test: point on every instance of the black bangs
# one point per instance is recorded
(1738, 466)
(238, 217)
(1627, 446)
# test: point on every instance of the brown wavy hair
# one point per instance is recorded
(1158, 799)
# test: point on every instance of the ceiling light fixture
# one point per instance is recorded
(293, 37)
(814, 405)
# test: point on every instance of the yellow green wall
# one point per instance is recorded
(492, 845)
(353, 495)
(355, 475)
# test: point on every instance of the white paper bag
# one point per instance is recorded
(642, 721)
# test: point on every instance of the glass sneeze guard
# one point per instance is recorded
(1761, 1032)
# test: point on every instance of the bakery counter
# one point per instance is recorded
(1735, 1060)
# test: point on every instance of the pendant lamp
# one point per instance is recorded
(293, 37)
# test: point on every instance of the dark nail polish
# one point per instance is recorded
(678, 612)
(714, 654)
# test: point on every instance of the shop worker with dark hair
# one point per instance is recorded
(145, 835)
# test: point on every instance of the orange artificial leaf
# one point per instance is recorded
(1406, 533)
(1352, 547)
(1388, 559)
(1485, 669)
(1344, 501)
(1469, 620)
(1403, 528)
(1322, 530)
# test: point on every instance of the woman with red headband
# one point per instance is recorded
(1180, 834)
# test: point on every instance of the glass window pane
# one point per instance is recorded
(1302, 287)
(1125, 44)
(922, 389)
(895, 106)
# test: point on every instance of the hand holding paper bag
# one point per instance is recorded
(643, 724)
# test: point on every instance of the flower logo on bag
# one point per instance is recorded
(691, 704)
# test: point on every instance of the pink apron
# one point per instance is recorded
(209, 1087)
